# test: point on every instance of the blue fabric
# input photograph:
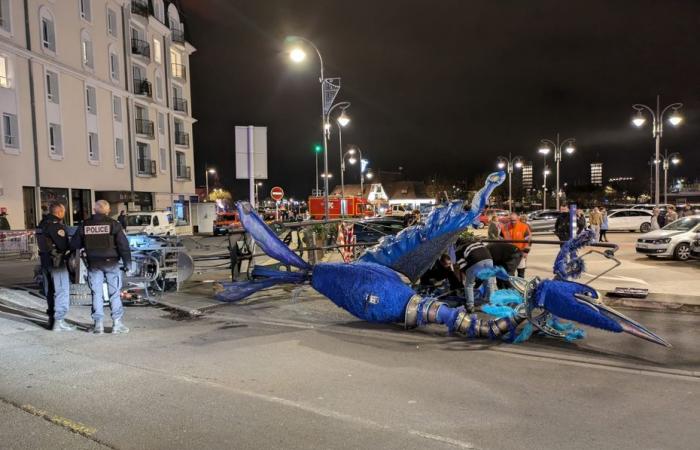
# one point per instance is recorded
(493, 271)
(498, 311)
(112, 276)
(506, 297)
(368, 291)
(239, 290)
(557, 297)
(267, 239)
(567, 264)
(414, 250)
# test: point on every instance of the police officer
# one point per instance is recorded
(105, 243)
(52, 240)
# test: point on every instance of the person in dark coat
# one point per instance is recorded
(122, 219)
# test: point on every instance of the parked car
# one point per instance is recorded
(371, 230)
(542, 220)
(398, 211)
(154, 223)
(650, 207)
(674, 240)
(502, 215)
(225, 222)
(630, 220)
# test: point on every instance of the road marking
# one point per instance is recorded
(75, 427)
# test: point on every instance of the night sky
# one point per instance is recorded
(443, 87)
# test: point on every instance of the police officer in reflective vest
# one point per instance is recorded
(105, 243)
(52, 239)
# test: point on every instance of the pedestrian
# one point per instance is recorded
(687, 211)
(515, 230)
(526, 251)
(105, 243)
(122, 219)
(494, 231)
(4, 223)
(596, 220)
(671, 214)
(562, 226)
(580, 222)
(655, 224)
(442, 270)
(604, 225)
(475, 258)
(52, 240)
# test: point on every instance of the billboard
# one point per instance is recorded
(258, 136)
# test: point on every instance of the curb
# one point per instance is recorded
(656, 302)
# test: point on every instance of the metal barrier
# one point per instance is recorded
(18, 244)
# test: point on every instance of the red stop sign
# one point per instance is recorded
(277, 193)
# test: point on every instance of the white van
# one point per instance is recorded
(155, 223)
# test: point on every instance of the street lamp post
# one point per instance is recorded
(206, 181)
(567, 144)
(343, 120)
(544, 150)
(674, 158)
(657, 128)
(509, 163)
(257, 196)
(352, 160)
(329, 89)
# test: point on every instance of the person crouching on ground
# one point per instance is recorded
(475, 257)
(105, 243)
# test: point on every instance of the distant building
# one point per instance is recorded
(527, 176)
(597, 174)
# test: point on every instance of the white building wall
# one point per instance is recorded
(74, 169)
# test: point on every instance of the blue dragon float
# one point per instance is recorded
(371, 288)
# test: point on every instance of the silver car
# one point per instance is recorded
(674, 240)
(542, 220)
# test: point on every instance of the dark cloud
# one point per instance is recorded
(445, 86)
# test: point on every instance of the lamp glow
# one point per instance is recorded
(544, 150)
(639, 119)
(518, 164)
(352, 160)
(570, 149)
(675, 118)
(501, 165)
(297, 55)
(344, 119)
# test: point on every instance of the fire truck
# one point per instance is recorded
(352, 206)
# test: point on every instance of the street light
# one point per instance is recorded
(317, 150)
(657, 129)
(343, 120)
(324, 176)
(206, 181)
(352, 160)
(329, 89)
(257, 197)
(675, 159)
(509, 163)
(569, 146)
(544, 150)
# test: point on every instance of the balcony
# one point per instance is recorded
(141, 47)
(179, 71)
(180, 104)
(146, 167)
(139, 7)
(143, 87)
(182, 138)
(145, 127)
(178, 36)
(183, 173)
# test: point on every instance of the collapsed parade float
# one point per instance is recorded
(372, 289)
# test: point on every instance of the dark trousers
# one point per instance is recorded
(603, 235)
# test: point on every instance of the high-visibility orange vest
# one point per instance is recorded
(517, 232)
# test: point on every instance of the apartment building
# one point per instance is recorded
(95, 104)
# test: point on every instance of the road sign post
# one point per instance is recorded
(277, 194)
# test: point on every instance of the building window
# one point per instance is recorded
(10, 130)
(157, 51)
(117, 108)
(52, 87)
(86, 50)
(159, 87)
(114, 65)
(119, 152)
(4, 76)
(55, 143)
(159, 10)
(85, 12)
(112, 22)
(163, 160)
(91, 99)
(161, 123)
(5, 23)
(48, 30)
(93, 147)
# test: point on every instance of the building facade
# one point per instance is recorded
(597, 174)
(95, 104)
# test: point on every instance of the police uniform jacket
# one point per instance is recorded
(52, 235)
(104, 241)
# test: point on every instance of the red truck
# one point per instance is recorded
(354, 207)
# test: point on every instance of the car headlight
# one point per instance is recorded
(663, 241)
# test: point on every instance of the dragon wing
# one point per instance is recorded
(413, 250)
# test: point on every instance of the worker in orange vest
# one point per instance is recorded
(518, 231)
